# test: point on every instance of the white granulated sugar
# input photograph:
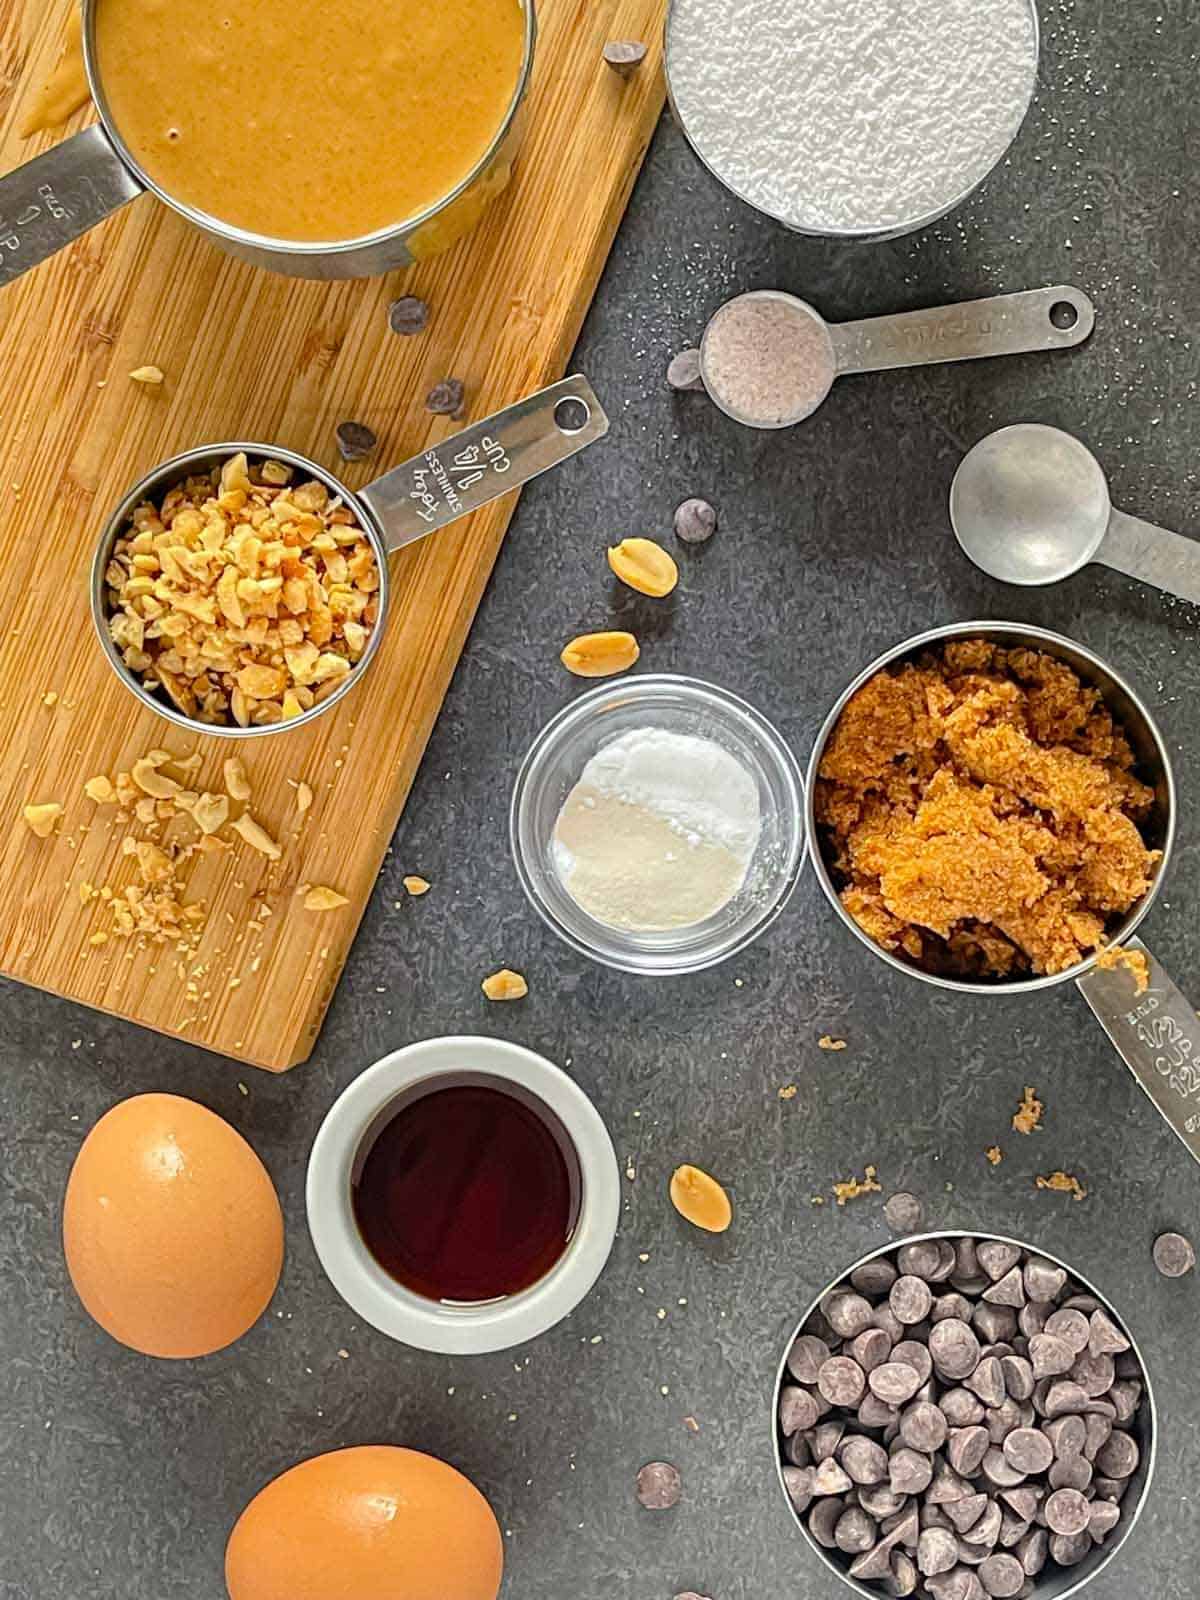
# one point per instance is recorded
(659, 832)
(851, 114)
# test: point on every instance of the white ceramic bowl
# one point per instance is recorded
(343, 1139)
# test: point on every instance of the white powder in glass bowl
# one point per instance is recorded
(851, 115)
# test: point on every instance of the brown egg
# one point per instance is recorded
(363, 1524)
(171, 1228)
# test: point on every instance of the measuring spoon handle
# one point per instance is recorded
(1157, 1035)
(465, 471)
(1005, 325)
(52, 199)
(1153, 555)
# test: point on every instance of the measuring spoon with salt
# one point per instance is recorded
(1030, 505)
(768, 359)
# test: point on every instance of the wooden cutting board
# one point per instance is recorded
(253, 355)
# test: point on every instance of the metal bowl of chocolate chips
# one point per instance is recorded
(964, 1417)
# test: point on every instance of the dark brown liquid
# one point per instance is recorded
(467, 1194)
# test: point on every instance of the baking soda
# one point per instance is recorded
(659, 832)
(851, 114)
(766, 360)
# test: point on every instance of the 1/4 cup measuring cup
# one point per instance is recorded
(769, 359)
(443, 483)
(58, 196)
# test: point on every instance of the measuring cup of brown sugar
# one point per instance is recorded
(1014, 844)
(318, 138)
(243, 589)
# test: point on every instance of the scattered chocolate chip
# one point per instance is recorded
(923, 1427)
(683, 370)
(796, 1449)
(826, 1437)
(354, 440)
(445, 399)
(408, 315)
(695, 521)
(624, 55)
(855, 1531)
(903, 1212)
(1066, 1511)
(951, 1305)
(659, 1486)
(997, 1471)
(904, 1575)
(1173, 1255)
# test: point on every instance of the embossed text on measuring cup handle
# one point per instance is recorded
(54, 198)
(489, 458)
(1157, 1035)
(1005, 325)
(1152, 555)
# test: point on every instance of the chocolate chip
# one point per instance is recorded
(1044, 1280)
(959, 1584)
(1050, 1356)
(948, 1263)
(997, 1470)
(996, 1257)
(796, 1449)
(659, 1486)
(848, 1314)
(841, 1381)
(408, 315)
(1008, 1290)
(797, 1410)
(902, 1212)
(695, 521)
(1028, 1451)
(951, 1305)
(964, 1514)
(1063, 1396)
(911, 1353)
(1069, 1549)
(923, 1427)
(825, 1438)
(822, 1520)
(954, 1348)
(904, 1528)
(806, 1357)
(1093, 1374)
(624, 56)
(1173, 1255)
(967, 1448)
(1002, 1576)
(987, 1381)
(987, 1530)
(1126, 1396)
(1110, 1488)
(910, 1299)
(937, 1551)
(904, 1575)
(1031, 1551)
(1071, 1327)
(1087, 1303)
(909, 1472)
(1033, 1316)
(875, 1276)
(798, 1482)
(1105, 1338)
(994, 1323)
(874, 1563)
(1018, 1376)
(880, 1499)
(1066, 1511)
(1072, 1472)
(1022, 1501)
(683, 370)
(961, 1408)
(894, 1382)
(1098, 1431)
(855, 1532)
(354, 440)
(1103, 1517)
(1012, 1529)
(828, 1478)
(876, 1413)
(1002, 1419)
(870, 1349)
(919, 1260)
(947, 1486)
(445, 399)
(883, 1319)
(864, 1460)
(1118, 1455)
(1066, 1435)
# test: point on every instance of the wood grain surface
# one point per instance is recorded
(254, 355)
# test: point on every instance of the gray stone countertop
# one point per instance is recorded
(122, 1477)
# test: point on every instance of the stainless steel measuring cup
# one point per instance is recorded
(54, 198)
(1002, 325)
(1156, 1033)
(443, 483)
(1030, 505)
(1053, 1582)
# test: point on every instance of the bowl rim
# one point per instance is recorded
(363, 1283)
(1149, 1452)
(646, 686)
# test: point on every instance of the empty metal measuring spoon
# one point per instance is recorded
(769, 359)
(1030, 505)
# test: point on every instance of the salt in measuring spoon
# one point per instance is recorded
(768, 359)
(1030, 505)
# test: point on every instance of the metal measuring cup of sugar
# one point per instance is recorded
(72, 187)
(1155, 1032)
(447, 481)
(1057, 318)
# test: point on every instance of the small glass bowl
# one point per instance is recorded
(682, 705)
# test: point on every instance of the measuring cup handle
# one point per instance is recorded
(1005, 325)
(486, 460)
(1157, 1035)
(1152, 555)
(54, 198)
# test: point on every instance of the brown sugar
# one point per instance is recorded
(1063, 1183)
(980, 815)
(853, 1187)
(994, 1154)
(1134, 962)
(1028, 1115)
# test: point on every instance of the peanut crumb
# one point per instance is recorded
(1134, 961)
(42, 816)
(256, 836)
(415, 886)
(816, 1200)
(994, 1154)
(853, 1187)
(304, 798)
(322, 898)
(505, 985)
(828, 1042)
(50, 698)
(1063, 1183)
(691, 1424)
(237, 784)
(788, 1092)
(149, 375)
(1029, 1113)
